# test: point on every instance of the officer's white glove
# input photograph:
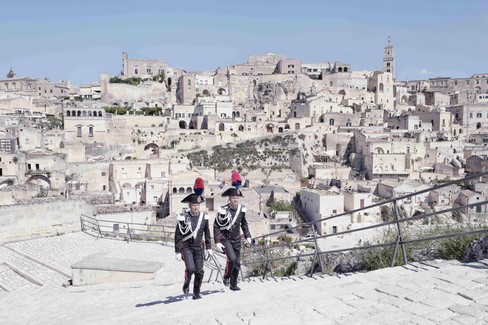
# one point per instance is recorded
(209, 252)
(178, 257)
(249, 240)
(220, 247)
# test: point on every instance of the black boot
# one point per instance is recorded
(196, 286)
(186, 286)
(234, 288)
(233, 280)
(226, 281)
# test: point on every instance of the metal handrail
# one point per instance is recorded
(134, 230)
(399, 241)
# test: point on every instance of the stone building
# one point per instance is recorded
(381, 84)
(387, 155)
(319, 204)
(85, 124)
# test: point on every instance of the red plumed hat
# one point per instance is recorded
(236, 177)
(198, 183)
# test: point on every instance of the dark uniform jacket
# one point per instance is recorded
(226, 224)
(186, 234)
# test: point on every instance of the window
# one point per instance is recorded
(78, 131)
(136, 71)
(334, 211)
(90, 131)
(189, 82)
(116, 227)
(478, 114)
(149, 71)
(104, 173)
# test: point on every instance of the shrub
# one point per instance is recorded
(380, 257)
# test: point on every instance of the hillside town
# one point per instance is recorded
(321, 136)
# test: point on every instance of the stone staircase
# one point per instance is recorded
(433, 292)
(21, 274)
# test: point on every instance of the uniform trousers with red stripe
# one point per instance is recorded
(193, 258)
(233, 253)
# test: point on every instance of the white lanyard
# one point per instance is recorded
(234, 219)
(193, 233)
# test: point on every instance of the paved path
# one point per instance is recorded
(436, 292)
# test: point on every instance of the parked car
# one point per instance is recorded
(307, 237)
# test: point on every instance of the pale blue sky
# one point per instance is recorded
(78, 40)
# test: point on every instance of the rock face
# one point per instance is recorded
(478, 250)
(272, 92)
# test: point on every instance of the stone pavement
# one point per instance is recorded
(435, 292)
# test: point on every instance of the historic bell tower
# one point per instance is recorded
(389, 59)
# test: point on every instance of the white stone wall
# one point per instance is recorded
(34, 220)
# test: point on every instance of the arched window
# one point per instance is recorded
(331, 122)
(136, 71)
(381, 87)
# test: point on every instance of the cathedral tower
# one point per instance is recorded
(389, 59)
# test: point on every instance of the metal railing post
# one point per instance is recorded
(316, 253)
(81, 224)
(268, 262)
(128, 233)
(164, 236)
(399, 239)
(99, 230)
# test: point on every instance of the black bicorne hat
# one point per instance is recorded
(193, 198)
(232, 192)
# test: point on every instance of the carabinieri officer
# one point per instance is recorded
(192, 239)
(227, 235)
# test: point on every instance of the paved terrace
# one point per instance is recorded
(32, 273)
